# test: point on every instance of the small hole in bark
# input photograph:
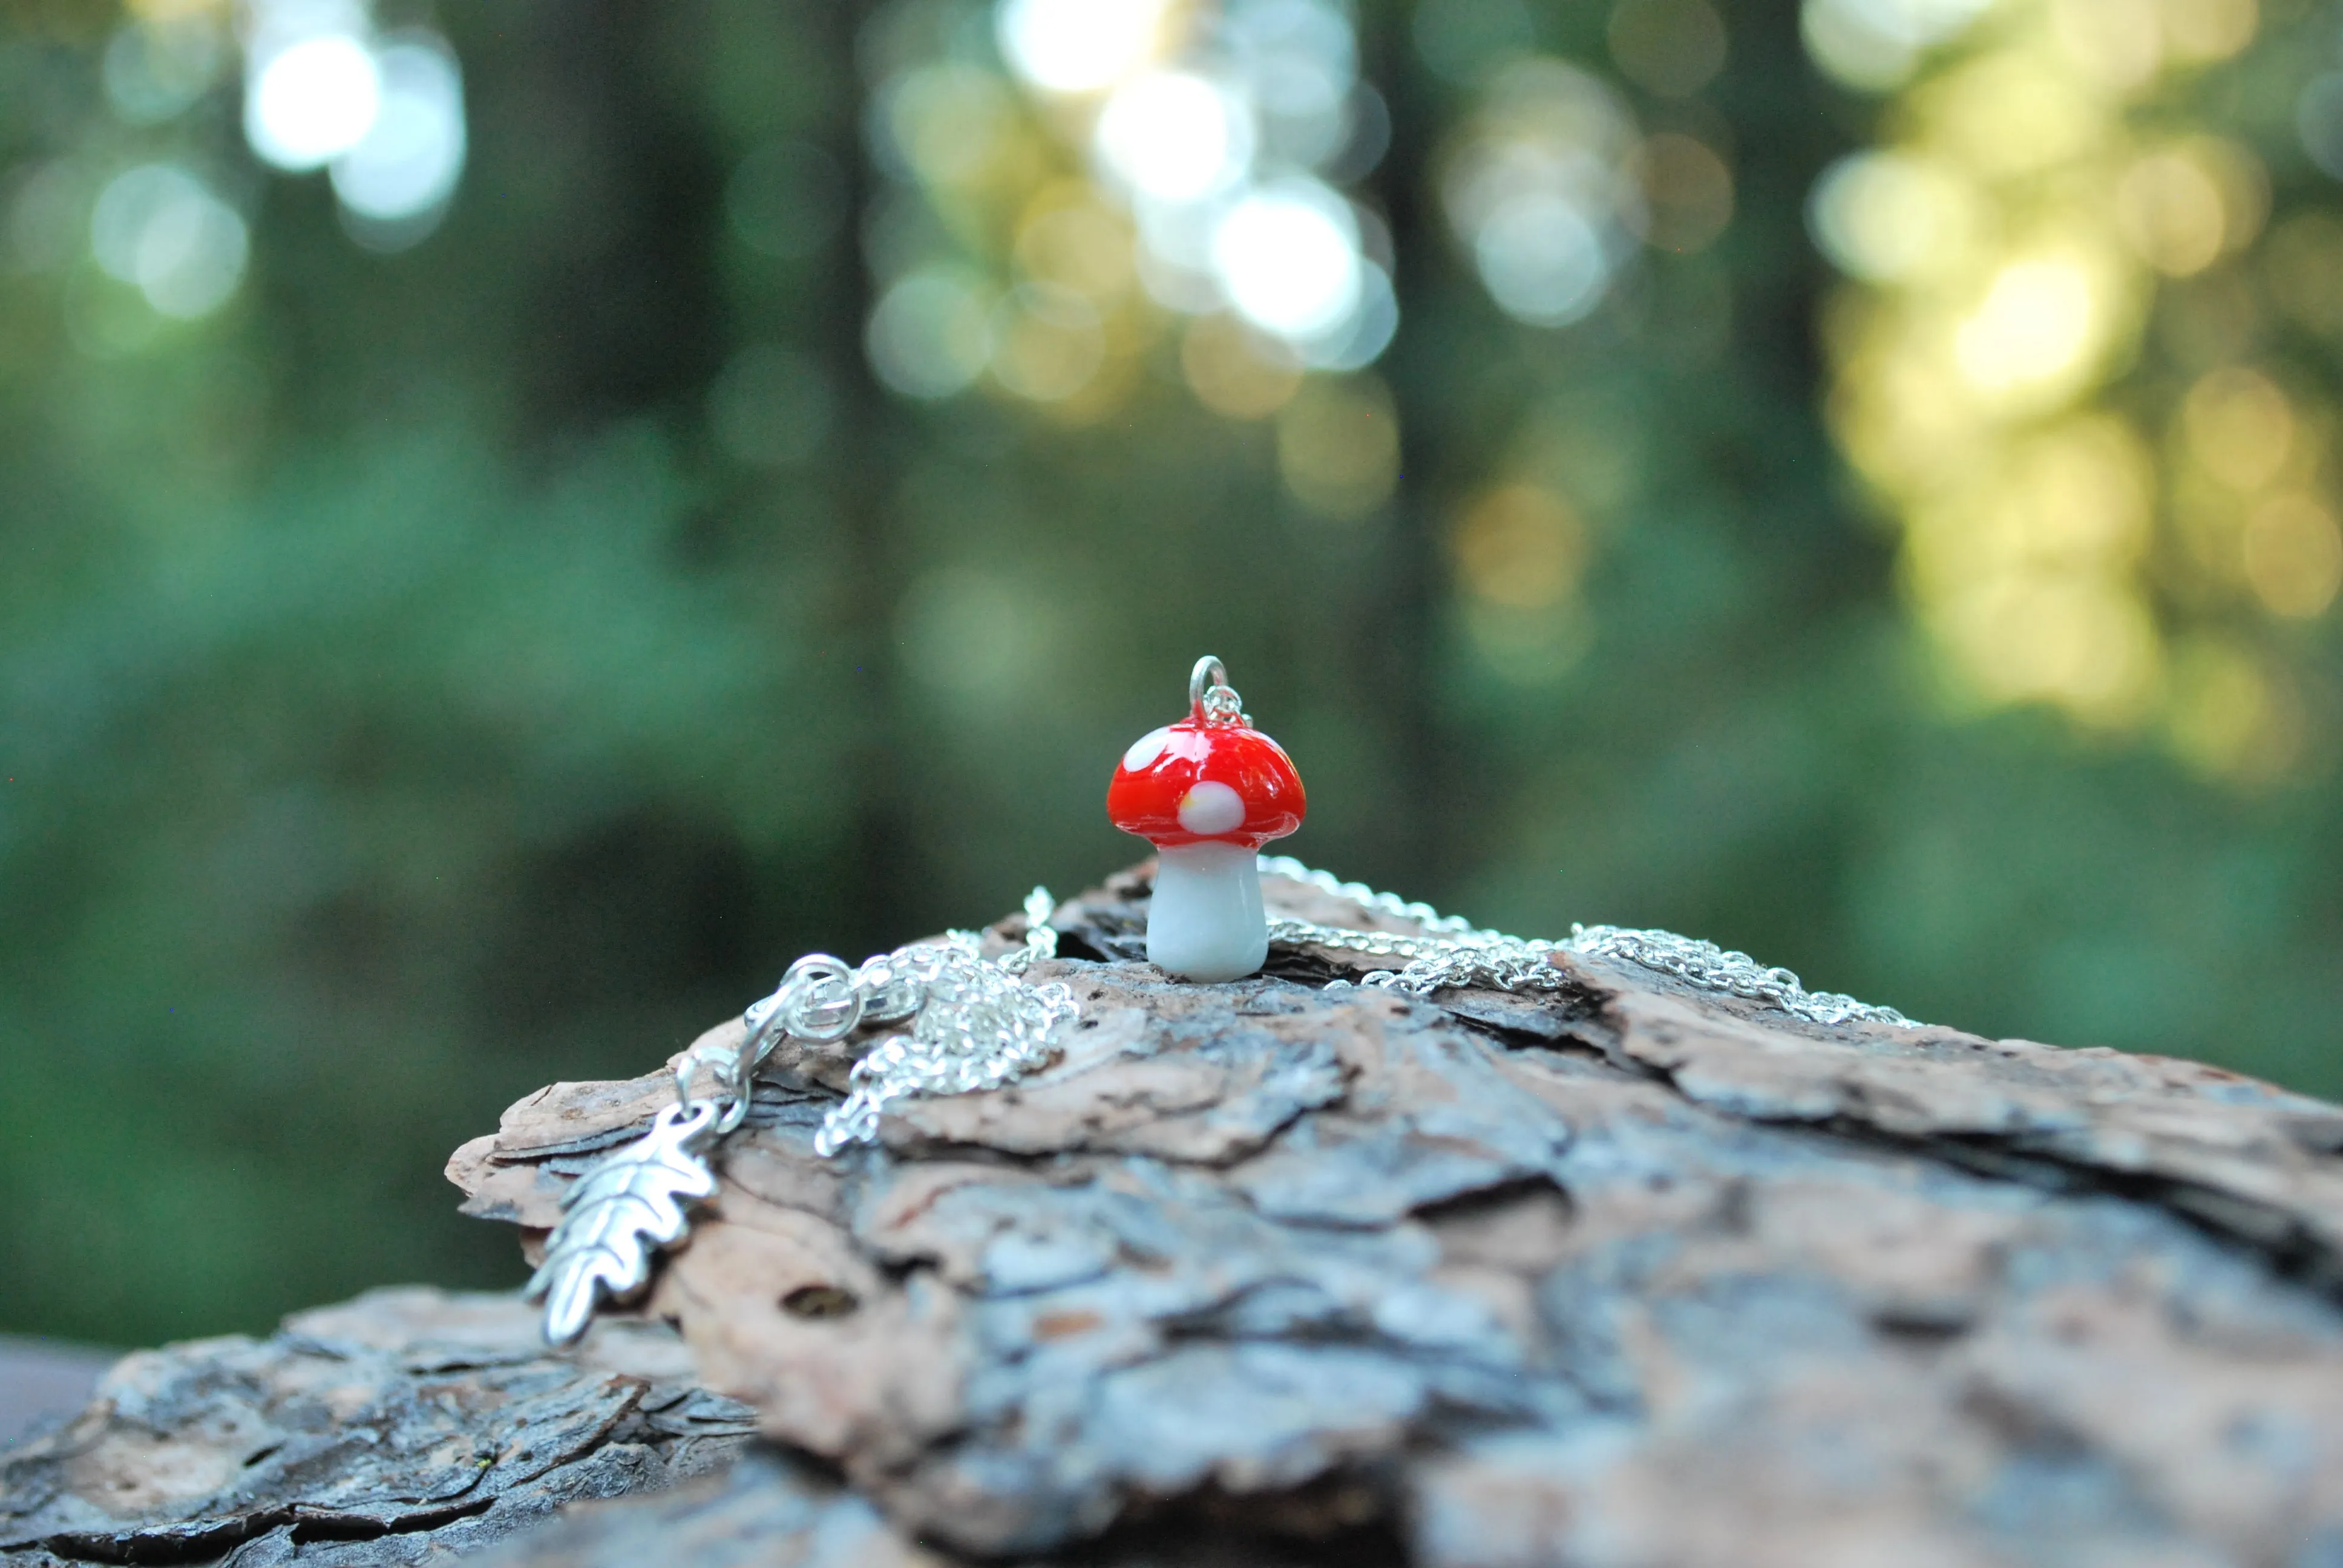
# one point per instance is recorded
(818, 1301)
(1921, 1326)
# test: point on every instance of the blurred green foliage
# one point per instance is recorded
(407, 698)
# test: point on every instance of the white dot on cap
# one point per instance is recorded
(1146, 749)
(1210, 808)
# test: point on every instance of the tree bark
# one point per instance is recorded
(406, 1423)
(1628, 1275)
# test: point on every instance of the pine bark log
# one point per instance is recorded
(1621, 1276)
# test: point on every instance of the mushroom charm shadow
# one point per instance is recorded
(1208, 792)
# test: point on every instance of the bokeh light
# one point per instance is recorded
(1520, 551)
(1289, 257)
(156, 226)
(1049, 342)
(1542, 260)
(1687, 194)
(1671, 47)
(1299, 61)
(931, 334)
(1884, 215)
(1540, 189)
(1519, 546)
(2229, 716)
(1338, 445)
(1070, 238)
(946, 122)
(2292, 555)
(406, 164)
(2318, 120)
(1235, 370)
(1174, 137)
(1876, 44)
(158, 68)
(977, 634)
(2239, 427)
(2201, 32)
(1078, 45)
(2033, 334)
(312, 100)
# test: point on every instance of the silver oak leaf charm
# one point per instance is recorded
(627, 1205)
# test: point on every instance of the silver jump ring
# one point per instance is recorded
(1207, 669)
(695, 1119)
(826, 1004)
(1210, 698)
(729, 1112)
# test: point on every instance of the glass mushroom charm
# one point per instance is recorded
(1208, 792)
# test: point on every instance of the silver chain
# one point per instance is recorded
(979, 1026)
(974, 1025)
(1457, 953)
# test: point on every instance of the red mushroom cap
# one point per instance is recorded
(1202, 780)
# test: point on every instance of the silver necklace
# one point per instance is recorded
(1456, 953)
(975, 1023)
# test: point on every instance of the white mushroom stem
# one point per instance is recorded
(1206, 921)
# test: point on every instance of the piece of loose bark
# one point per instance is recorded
(408, 1423)
(1623, 1275)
